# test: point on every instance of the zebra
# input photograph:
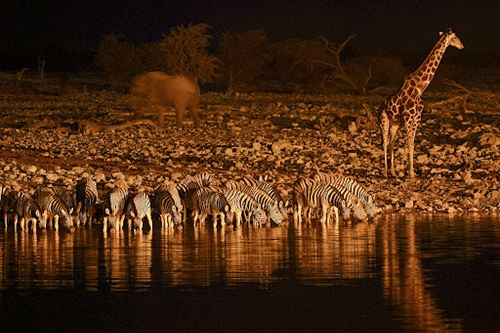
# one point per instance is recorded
(240, 201)
(138, 207)
(86, 197)
(273, 193)
(309, 194)
(189, 185)
(270, 206)
(69, 200)
(352, 186)
(206, 201)
(55, 208)
(26, 210)
(114, 209)
(5, 203)
(166, 201)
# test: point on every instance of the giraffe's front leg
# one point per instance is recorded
(392, 140)
(411, 130)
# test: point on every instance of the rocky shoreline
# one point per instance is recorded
(457, 158)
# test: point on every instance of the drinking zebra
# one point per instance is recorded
(138, 207)
(114, 209)
(86, 197)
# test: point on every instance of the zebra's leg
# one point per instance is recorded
(202, 218)
(56, 222)
(222, 219)
(324, 212)
(336, 212)
(150, 220)
(299, 213)
(214, 218)
(238, 218)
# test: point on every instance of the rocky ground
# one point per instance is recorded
(457, 151)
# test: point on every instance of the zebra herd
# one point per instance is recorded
(192, 199)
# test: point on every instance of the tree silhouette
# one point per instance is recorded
(186, 52)
(118, 59)
(243, 56)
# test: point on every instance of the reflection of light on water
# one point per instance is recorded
(403, 278)
(125, 260)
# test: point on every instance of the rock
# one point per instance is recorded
(38, 180)
(256, 146)
(352, 127)
(423, 159)
(51, 177)
(488, 140)
(31, 169)
(467, 177)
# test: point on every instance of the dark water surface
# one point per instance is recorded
(401, 273)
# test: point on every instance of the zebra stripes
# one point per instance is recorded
(350, 185)
(26, 210)
(236, 201)
(48, 202)
(138, 208)
(308, 195)
(276, 210)
(86, 197)
(114, 208)
(207, 202)
(167, 203)
(239, 202)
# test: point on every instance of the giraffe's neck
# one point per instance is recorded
(422, 77)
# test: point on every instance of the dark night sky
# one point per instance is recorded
(30, 28)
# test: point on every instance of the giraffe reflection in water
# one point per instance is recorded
(403, 279)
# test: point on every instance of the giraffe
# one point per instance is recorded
(405, 106)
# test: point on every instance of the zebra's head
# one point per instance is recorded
(176, 215)
(370, 206)
(42, 218)
(83, 217)
(111, 218)
(136, 220)
(275, 215)
(282, 205)
(259, 216)
(346, 211)
(67, 219)
(228, 214)
(359, 210)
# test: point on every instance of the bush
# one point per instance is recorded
(243, 57)
(118, 59)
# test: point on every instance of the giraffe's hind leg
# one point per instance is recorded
(393, 130)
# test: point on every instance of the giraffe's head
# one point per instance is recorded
(452, 39)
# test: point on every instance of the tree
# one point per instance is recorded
(298, 62)
(186, 52)
(339, 70)
(118, 59)
(243, 56)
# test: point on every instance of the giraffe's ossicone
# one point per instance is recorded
(405, 106)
